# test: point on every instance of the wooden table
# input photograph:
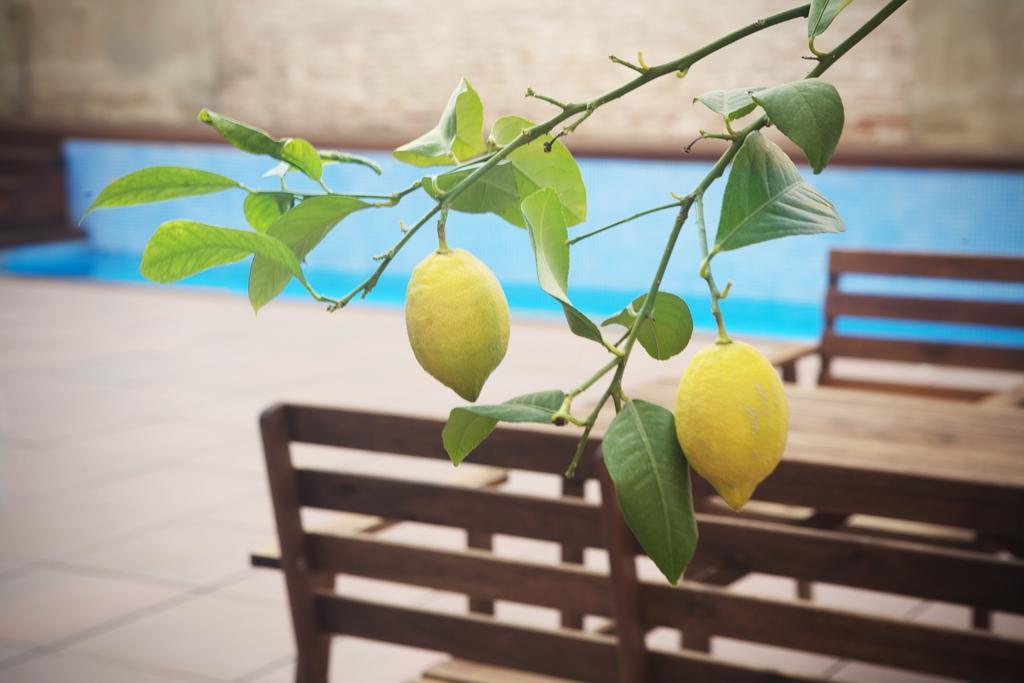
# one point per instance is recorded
(910, 458)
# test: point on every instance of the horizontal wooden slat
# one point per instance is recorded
(567, 653)
(477, 573)
(957, 266)
(772, 622)
(922, 570)
(889, 642)
(540, 451)
(989, 508)
(929, 391)
(564, 520)
(994, 508)
(911, 569)
(994, 357)
(998, 313)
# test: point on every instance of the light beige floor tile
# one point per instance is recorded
(262, 585)
(1008, 625)
(175, 488)
(46, 605)
(10, 650)
(765, 585)
(28, 473)
(43, 528)
(867, 673)
(767, 657)
(209, 636)
(869, 602)
(65, 668)
(250, 509)
(355, 660)
(943, 614)
(193, 551)
(48, 409)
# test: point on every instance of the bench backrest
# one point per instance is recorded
(728, 544)
(840, 303)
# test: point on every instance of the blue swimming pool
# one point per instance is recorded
(778, 285)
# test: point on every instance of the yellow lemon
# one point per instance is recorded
(732, 419)
(457, 319)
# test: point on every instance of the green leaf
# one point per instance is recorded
(536, 169)
(580, 324)
(181, 248)
(502, 189)
(303, 156)
(652, 483)
(667, 329)
(241, 135)
(468, 426)
(334, 156)
(294, 151)
(808, 112)
(496, 191)
(766, 198)
(157, 183)
(263, 208)
(732, 104)
(822, 13)
(549, 238)
(458, 135)
(300, 229)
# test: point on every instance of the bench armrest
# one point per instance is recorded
(785, 356)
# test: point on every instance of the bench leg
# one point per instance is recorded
(315, 649)
(480, 541)
(697, 640)
(805, 590)
(789, 372)
(981, 618)
(572, 553)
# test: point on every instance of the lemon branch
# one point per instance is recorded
(614, 388)
(567, 112)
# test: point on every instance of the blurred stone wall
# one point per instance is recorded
(940, 75)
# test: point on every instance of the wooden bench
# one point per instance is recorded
(489, 650)
(841, 303)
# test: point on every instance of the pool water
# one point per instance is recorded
(778, 286)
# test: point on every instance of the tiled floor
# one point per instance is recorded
(131, 483)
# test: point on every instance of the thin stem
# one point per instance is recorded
(369, 283)
(544, 98)
(442, 244)
(623, 62)
(605, 369)
(705, 272)
(623, 221)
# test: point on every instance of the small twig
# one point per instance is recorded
(627, 219)
(628, 65)
(544, 98)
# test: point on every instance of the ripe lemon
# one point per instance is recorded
(457, 319)
(732, 418)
